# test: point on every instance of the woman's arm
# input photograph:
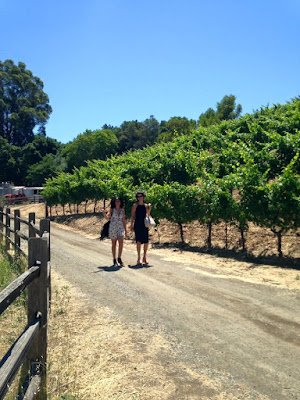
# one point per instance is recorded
(148, 208)
(124, 221)
(108, 214)
(132, 216)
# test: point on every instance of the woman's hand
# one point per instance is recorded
(105, 214)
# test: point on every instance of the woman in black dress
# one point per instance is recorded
(138, 214)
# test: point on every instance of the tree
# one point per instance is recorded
(227, 109)
(176, 126)
(24, 105)
(90, 145)
(137, 135)
(48, 167)
(208, 118)
(152, 126)
(10, 165)
(33, 153)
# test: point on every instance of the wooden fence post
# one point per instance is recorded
(31, 231)
(7, 231)
(45, 227)
(1, 224)
(17, 227)
(38, 304)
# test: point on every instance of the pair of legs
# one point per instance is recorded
(138, 247)
(120, 240)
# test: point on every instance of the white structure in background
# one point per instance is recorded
(21, 193)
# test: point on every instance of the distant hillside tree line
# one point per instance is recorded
(27, 156)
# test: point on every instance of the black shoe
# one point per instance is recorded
(115, 264)
(120, 262)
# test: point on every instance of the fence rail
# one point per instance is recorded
(36, 198)
(30, 349)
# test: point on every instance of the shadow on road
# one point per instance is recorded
(108, 269)
(139, 266)
(113, 268)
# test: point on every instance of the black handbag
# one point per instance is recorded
(104, 231)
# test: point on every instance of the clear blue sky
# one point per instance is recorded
(116, 60)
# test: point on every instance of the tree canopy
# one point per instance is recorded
(136, 135)
(175, 126)
(90, 145)
(24, 106)
(227, 109)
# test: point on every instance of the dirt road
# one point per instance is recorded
(244, 336)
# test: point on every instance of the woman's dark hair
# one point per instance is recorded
(140, 193)
(113, 202)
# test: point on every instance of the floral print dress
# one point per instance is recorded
(116, 227)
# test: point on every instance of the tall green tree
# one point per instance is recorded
(24, 106)
(90, 145)
(176, 126)
(34, 152)
(208, 118)
(51, 165)
(227, 109)
(10, 165)
(137, 135)
(152, 126)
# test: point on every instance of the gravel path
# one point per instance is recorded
(245, 336)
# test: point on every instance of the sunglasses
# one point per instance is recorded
(140, 195)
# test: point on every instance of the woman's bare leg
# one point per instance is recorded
(145, 253)
(138, 247)
(113, 247)
(121, 243)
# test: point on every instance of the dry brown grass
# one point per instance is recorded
(93, 356)
(12, 323)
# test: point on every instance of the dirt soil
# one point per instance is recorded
(260, 242)
(260, 265)
(192, 325)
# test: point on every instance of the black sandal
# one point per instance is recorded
(120, 262)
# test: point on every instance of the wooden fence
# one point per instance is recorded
(36, 198)
(30, 349)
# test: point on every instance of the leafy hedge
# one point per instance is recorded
(240, 171)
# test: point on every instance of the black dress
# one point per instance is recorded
(141, 232)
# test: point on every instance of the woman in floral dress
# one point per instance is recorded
(117, 228)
